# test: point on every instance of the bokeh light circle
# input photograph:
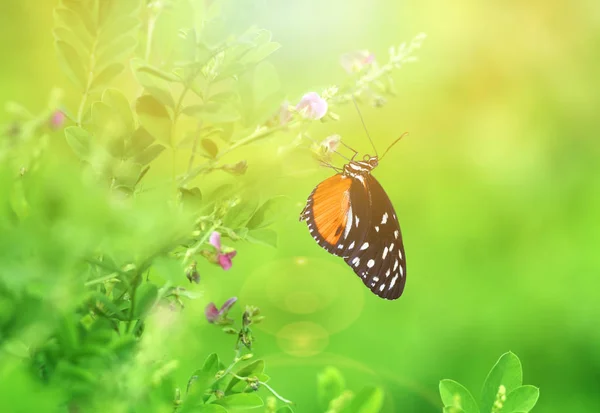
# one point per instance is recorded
(306, 300)
(302, 339)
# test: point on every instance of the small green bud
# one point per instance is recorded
(247, 356)
(254, 383)
(230, 330)
(258, 319)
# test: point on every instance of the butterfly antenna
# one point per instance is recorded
(364, 126)
(393, 143)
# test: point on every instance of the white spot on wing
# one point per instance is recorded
(395, 265)
(396, 234)
(364, 246)
(348, 222)
(351, 245)
(356, 261)
(370, 263)
(387, 273)
(376, 228)
(384, 218)
(385, 251)
(393, 282)
(356, 220)
(381, 287)
(340, 246)
(391, 246)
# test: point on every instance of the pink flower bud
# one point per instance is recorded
(57, 119)
(357, 60)
(312, 106)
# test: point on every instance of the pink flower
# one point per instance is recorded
(224, 259)
(331, 143)
(357, 60)
(312, 106)
(57, 119)
(216, 316)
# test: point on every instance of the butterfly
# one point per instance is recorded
(350, 215)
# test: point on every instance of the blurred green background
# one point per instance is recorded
(497, 189)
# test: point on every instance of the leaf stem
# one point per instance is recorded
(262, 383)
(90, 79)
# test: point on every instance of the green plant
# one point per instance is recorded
(503, 391)
(335, 398)
(95, 255)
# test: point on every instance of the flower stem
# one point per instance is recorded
(192, 251)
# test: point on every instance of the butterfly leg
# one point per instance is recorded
(328, 165)
(353, 150)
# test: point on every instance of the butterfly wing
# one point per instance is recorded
(333, 212)
(379, 260)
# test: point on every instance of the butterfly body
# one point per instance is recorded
(351, 216)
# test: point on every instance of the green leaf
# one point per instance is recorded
(169, 270)
(83, 12)
(285, 409)
(368, 400)
(454, 394)
(117, 26)
(208, 408)
(17, 110)
(109, 129)
(191, 198)
(66, 17)
(126, 174)
(240, 401)
(71, 63)
(214, 112)
(106, 75)
(506, 372)
(210, 147)
(154, 118)
(521, 399)
(145, 297)
(155, 85)
(67, 35)
(119, 103)
(79, 140)
(452, 409)
(149, 154)
(264, 236)
(240, 214)
(260, 53)
(267, 213)
(140, 140)
(122, 47)
(251, 370)
(160, 74)
(330, 385)
(204, 378)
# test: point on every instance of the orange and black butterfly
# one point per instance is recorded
(351, 216)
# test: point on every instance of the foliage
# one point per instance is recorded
(503, 391)
(335, 398)
(94, 262)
